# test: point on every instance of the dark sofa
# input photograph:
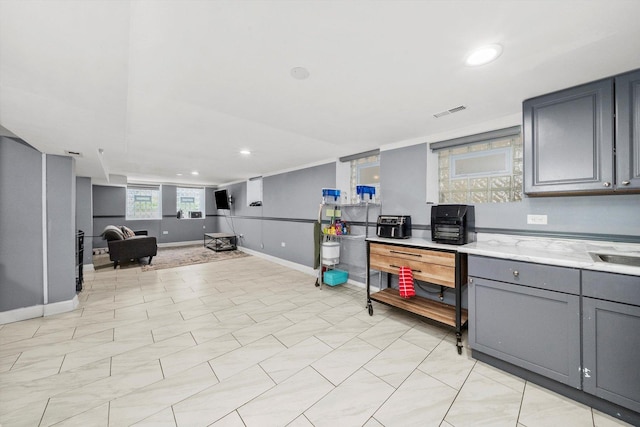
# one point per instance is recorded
(122, 248)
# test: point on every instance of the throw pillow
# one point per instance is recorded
(127, 232)
(111, 232)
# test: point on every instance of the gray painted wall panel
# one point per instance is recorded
(297, 194)
(61, 223)
(84, 215)
(183, 230)
(20, 225)
(169, 201)
(108, 200)
(609, 215)
(403, 184)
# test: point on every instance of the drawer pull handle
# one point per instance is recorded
(405, 253)
(516, 273)
(397, 266)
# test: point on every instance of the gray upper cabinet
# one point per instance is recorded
(628, 130)
(569, 140)
(585, 139)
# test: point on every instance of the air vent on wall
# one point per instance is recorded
(450, 111)
(73, 153)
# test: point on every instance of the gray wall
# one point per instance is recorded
(21, 219)
(84, 215)
(21, 257)
(403, 185)
(609, 217)
(109, 208)
(289, 207)
(61, 227)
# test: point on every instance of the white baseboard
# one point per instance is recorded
(185, 243)
(293, 265)
(88, 267)
(61, 307)
(39, 310)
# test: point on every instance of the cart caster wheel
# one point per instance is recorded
(317, 284)
(370, 310)
(459, 350)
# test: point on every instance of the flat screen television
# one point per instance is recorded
(222, 199)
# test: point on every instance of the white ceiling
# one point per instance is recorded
(167, 87)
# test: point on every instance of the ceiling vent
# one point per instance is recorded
(73, 153)
(450, 111)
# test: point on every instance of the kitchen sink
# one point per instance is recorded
(616, 259)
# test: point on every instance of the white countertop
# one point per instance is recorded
(560, 252)
(542, 250)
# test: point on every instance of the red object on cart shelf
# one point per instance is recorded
(405, 282)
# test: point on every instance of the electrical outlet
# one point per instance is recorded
(283, 244)
(261, 245)
(537, 219)
(165, 232)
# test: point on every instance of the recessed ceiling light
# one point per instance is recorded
(299, 73)
(179, 174)
(195, 173)
(484, 55)
(245, 152)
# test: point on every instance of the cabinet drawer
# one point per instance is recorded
(611, 287)
(432, 273)
(427, 265)
(553, 278)
(415, 254)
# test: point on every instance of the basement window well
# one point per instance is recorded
(190, 199)
(483, 168)
(144, 202)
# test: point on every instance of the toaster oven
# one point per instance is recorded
(394, 226)
(453, 224)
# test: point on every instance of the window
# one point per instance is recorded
(485, 168)
(190, 199)
(365, 171)
(254, 191)
(144, 202)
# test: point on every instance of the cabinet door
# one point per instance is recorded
(535, 329)
(568, 140)
(611, 351)
(628, 131)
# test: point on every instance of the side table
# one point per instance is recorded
(220, 241)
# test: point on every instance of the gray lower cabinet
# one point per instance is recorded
(611, 337)
(516, 317)
(578, 327)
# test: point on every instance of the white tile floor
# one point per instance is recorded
(247, 342)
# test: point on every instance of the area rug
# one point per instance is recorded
(172, 256)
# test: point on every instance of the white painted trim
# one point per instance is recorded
(281, 171)
(19, 314)
(45, 244)
(184, 243)
(61, 307)
(39, 310)
(293, 265)
(88, 267)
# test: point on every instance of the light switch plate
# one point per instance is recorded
(537, 219)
